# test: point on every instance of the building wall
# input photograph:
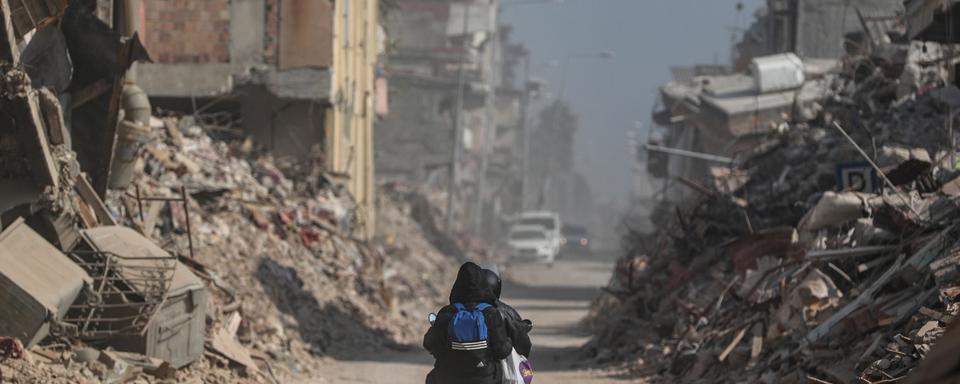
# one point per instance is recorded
(419, 25)
(417, 137)
(286, 127)
(305, 34)
(187, 31)
(228, 38)
(286, 33)
(823, 24)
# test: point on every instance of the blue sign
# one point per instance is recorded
(857, 176)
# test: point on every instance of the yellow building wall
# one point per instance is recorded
(350, 134)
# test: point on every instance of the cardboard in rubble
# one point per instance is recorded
(38, 284)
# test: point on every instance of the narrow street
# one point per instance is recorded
(555, 299)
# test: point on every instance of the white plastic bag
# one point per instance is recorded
(511, 368)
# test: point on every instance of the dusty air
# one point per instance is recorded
(479, 191)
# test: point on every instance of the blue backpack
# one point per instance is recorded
(468, 329)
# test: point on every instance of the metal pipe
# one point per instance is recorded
(691, 154)
(186, 214)
(139, 202)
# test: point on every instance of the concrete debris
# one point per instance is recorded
(209, 260)
(316, 290)
(224, 343)
(815, 257)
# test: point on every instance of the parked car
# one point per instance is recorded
(532, 242)
(575, 238)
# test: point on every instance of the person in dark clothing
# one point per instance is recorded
(454, 366)
(518, 329)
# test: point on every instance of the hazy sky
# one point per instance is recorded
(648, 37)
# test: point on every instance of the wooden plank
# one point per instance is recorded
(8, 43)
(153, 213)
(90, 197)
(936, 315)
(85, 212)
(950, 261)
(756, 345)
(91, 92)
(53, 117)
(224, 343)
(733, 343)
(851, 252)
(33, 140)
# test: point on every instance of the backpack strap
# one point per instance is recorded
(478, 311)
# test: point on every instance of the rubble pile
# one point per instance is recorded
(141, 249)
(280, 253)
(778, 273)
(289, 284)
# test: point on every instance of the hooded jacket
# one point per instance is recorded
(468, 367)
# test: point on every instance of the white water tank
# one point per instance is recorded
(778, 72)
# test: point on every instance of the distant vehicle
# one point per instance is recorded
(550, 221)
(532, 242)
(575, 238)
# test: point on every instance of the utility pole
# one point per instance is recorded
(525, 130)
(454, 182)
(489, 132)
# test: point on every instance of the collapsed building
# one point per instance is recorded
(142, 244)
(303, 78)
(815, 240)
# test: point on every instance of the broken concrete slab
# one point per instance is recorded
(225, 343)
(833, 209)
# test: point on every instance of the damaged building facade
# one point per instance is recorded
(69, 271)
(302, 78)
(144, 215)
(450, 56)
(708, 117)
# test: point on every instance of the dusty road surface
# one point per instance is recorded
(555, 299)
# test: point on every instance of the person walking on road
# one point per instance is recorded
(469, 337)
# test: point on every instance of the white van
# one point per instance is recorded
(550, 222)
